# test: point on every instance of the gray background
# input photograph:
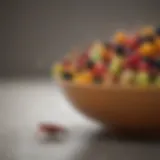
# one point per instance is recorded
(35, 33)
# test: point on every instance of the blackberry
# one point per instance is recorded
(158, 31)
(67, 76)
(120, 50)
(90, 64)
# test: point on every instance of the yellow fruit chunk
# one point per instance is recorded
(142, 79)
(116, 65)
(127, 77)
(157, 43)
(157, 82)
(83, 78)
(148, 49)
(120, 38)
(97, 46)
(56, 69)
(147, 31)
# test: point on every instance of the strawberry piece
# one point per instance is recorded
(133, 43)
(132, 61)
(99, 69)
(143, 66)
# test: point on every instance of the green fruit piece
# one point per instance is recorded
(142, 79)
(95, 57)
(116, 65)
(157, 81)
(96, 51)
(127, 77)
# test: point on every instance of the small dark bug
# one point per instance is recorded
(51, 131)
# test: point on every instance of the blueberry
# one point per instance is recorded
(90, 64)
(67, 76)
(157, 63)
(158, 31)
(120, 50)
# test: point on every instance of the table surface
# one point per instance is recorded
(25, 103)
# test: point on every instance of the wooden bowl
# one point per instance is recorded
(129, 108)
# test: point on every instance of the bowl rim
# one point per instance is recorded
(117, 87)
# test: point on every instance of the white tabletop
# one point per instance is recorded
(25, 103)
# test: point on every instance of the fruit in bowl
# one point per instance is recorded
(118, 82)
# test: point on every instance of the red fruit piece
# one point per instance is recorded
(133, 43)
(51, 128)
(132, 61)
(99, 69)
(81, 61)
(143, 66)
